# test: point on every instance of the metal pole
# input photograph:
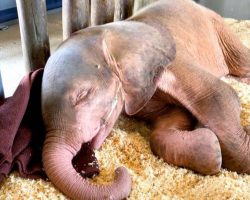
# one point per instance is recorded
(75, 15)
(34, 34)
(123, 9)
(102, 11)
(141, 3)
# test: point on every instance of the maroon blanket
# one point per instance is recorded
(22, 133)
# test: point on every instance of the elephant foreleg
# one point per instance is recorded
(216, 106)
(174, 140)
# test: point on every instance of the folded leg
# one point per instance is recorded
(174, 140)
(216, 106)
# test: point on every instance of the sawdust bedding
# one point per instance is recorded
(128, 145)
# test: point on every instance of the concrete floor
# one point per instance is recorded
(11, 59)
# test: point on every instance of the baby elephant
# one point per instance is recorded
(163, 65)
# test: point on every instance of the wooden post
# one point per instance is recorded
(75, 15)
(123, 9)
(34, 34)
(141, 3)
(102, 11)
(1, 88)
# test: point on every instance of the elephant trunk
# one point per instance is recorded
(57, 161)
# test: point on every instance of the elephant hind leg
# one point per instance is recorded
(174, 140)
(236, 55)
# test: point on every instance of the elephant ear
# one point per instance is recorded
(137, 54)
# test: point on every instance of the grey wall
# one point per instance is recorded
(239, 9)
(5, 4)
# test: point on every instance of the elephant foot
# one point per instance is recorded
(198, 150)
(238, 157)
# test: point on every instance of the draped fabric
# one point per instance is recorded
(22, 133)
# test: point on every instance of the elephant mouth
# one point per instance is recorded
(107, 122)
(106, 119)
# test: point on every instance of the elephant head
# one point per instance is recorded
(86, 84)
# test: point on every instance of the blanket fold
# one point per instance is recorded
(22, 133)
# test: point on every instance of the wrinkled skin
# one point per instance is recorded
(162, 65)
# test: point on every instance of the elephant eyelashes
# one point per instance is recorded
(80, 97)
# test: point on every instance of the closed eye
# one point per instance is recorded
(81, 96)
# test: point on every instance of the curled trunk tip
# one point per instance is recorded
(58, 167)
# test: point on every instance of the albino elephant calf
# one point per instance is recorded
(163, 65)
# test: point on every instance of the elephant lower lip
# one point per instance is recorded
(97, 129)
(99, 138)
